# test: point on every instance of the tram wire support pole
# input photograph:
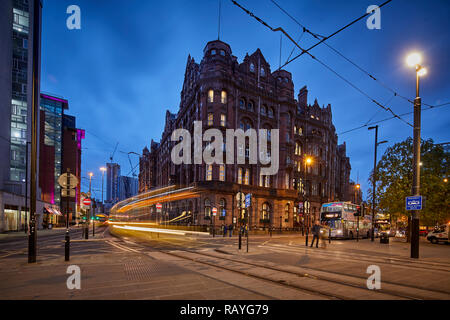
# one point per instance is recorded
(32, 236)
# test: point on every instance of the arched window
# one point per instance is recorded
(264, 110)
(286, 212)
(211, 95)
(270, 112)
(265, 212)
(207, 208)
(222, 53)
(223, 208)
(245, 124)
(242, 103)
(252, 67)
(213, 52)
(223, 97)
(250, 106)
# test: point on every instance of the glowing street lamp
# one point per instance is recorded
(414, 60)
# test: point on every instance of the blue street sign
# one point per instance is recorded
(414, 203)
(248, 200)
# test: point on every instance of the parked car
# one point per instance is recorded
(439, 234)
(423, 233)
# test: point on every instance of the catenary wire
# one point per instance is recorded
(320, 61)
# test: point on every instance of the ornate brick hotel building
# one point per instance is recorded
(225, 94)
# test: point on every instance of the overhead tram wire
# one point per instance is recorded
(321, 62)
(387, 119)
(327, 37)
(316, 36)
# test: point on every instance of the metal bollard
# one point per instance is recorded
(67, 246)
(240, 240)
(329, 235)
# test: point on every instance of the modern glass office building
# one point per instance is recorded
(51, 120)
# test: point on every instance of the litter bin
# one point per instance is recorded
(384, 238)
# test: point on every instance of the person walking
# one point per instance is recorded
(316, 232)
(224, 230)
(231, 229)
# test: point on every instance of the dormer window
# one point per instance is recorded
(222, 53)
(252, 67)
(213, 52)
(263, 73)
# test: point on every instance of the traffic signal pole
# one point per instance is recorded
(67, 244)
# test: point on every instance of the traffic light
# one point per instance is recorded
(358, 211)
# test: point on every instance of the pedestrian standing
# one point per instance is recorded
(224, 230)
(316, 232)
(231, 229)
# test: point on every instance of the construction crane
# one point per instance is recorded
(112, 155)
(131, 165)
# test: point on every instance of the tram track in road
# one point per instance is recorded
(421, 265)
(289, 278)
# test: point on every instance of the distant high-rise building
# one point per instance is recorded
(16, 83)
(112, 182)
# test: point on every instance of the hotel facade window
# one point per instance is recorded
(270, 113)
(210, 119)
(247, 177)
(223, 209)
(207, 208)
(239, 177)
(222, 172)
(223, 120)
(211, 96)
(223, 97)
(242, 103)
(209, 172)
(265, 212)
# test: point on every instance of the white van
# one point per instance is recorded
(439, 234)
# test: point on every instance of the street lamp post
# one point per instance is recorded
(308, 161)
(103, 169)
(374, 178)
(357, 187)
(414, 60)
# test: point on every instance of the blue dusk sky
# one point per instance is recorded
(125, 67)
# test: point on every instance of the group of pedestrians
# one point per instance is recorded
(226, 229)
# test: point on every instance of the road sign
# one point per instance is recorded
(248, 200)
(214, 211)
(159, 206)
(414, 203)
(62, 180)
(87, 202)
(68, 193)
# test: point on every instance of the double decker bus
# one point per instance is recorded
(340, 218)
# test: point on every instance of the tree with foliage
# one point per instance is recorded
(394, 181)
